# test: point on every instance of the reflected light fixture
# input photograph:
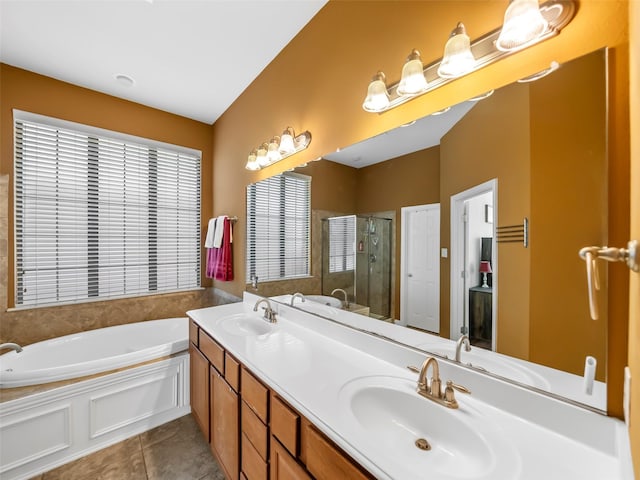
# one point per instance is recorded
(412, 81)
(278, 149)
(553, 66)
(525, 24)
(377, 96)
(457, 59)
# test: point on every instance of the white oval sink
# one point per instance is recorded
(492, 363)
(242, 324)
(393, 419)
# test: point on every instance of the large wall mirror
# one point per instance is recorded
(470, 221)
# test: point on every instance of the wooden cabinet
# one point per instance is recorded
(224, 424)
(284, 466)
(253, 433)
(480, 318)
(199, 389)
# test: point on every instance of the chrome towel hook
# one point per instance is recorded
(590, 255)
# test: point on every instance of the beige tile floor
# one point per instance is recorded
(173, 451)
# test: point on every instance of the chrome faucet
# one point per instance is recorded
(12, 346)
(463, 340)
(432, 389)
(297, 295)
(346, 297)
(269, 313)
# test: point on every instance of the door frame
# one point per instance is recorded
(404, 211)
(458, 298)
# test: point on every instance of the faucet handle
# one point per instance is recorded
(449, 394)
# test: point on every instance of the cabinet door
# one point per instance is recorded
(224, 425)
(199, 389)
(283, 465)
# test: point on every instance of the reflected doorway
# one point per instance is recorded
(473, 265)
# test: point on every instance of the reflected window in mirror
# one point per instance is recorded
(278, 227)
(342, 237)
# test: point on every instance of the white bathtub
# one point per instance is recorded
(93, 351)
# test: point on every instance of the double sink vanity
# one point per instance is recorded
(283, 393)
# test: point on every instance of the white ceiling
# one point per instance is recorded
(188, 57)
(424, 133)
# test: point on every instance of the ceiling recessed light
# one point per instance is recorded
(124, 80)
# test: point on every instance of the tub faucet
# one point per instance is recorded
(463, 340)
(12, 346)
(297, 295)
(346, 297)
(432, 390)
(269, 313)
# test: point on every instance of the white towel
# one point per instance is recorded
(211, 228)
(217, 236)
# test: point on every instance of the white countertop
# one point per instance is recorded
(315, 365)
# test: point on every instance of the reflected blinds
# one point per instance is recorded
(278, 215)
(342, 237)
(98, 217)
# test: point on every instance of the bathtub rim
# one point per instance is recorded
(93, 367)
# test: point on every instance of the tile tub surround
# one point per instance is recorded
(175, 450)
(308, 361)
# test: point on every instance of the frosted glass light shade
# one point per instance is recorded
(523, 23)
(412, 81)
(457, 59)
(262, 159)
(287, 146)
(273, 153)
(377, 96)
(252, 163)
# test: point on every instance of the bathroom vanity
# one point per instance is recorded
(305, 397)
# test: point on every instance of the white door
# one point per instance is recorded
(420, 267)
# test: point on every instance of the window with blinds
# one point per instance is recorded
(98, 215)
(342, 238)
(278, 216)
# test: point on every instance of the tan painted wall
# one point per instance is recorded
(634, 288)
(471, 156)
(318, 82)
(568, 212)
(23, 90)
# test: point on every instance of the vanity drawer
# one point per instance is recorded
(325, 461)
(253, 466)
(254, 394)
(254, 431)
(193, 332)
(285, 424)
(232, 371)
(211, 350)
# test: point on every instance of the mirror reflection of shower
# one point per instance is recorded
(357, 258)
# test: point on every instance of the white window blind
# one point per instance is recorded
(98, 217)
(278, 213)
(342, 237)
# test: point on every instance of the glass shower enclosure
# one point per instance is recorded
(357, 258)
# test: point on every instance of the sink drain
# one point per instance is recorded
(422, 444)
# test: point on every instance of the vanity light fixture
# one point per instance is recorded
(523, 25)
(457, 59)
(377, 98)
(526, 23)
(553, 66)
(278, 149)
(412, 81)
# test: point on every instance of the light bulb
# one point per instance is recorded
(252, 163)
(412, 81)
(273, 155)
(523, 24)
(287, 147)
(377, 98)
(457, 59)
(261, 158)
